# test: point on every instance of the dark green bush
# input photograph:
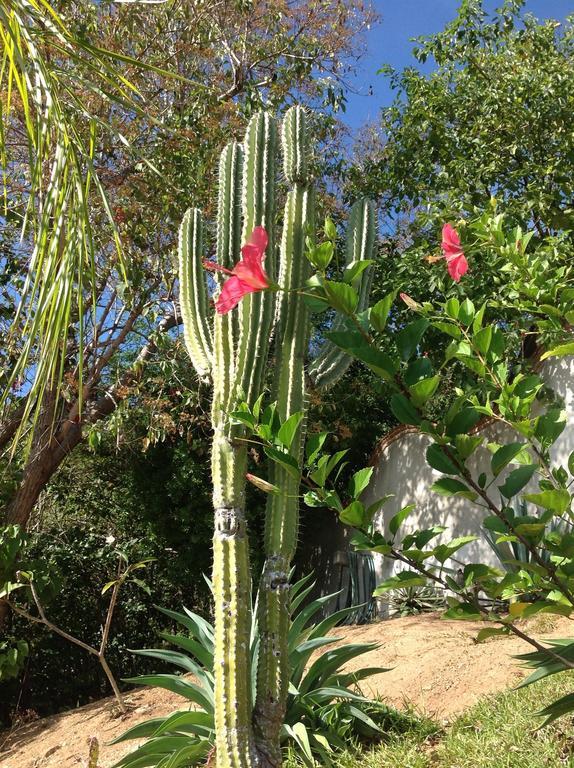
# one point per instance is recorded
(155, 504)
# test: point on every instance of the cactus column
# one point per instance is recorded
(235, 353)
(282, 514)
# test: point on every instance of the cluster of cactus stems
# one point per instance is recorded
(235, 351)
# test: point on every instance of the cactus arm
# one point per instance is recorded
(193, 293)
(282, 513)
(256, 310)
(331, 362)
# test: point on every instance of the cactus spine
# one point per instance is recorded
(247, 733)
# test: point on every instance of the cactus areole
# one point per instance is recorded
(232, 348)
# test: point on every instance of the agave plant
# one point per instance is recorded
(325, 709)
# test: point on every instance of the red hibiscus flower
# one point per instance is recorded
(452, 250)
(247, 276)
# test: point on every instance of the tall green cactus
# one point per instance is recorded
(234, 349)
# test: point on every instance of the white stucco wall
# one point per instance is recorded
(402, 470)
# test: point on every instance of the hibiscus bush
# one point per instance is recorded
(502, 384)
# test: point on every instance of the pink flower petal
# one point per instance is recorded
(259, 238)
(457, 267)
(450, 241)
(231, 294)
(247, 276)
(456, 262)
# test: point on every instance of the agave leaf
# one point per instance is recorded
(363, 717)
(198, 626)
(300, 597)
(197, 723)
(553, 711)
(326, 694)
(544, 664)
(299, 734)
(156, 748)
(134, 760)
(141, 730)
(330, 661)
(295, 588)
(171, 657)
(351, 678)
(178, 685)
(299, 657)
(189, 644)
(302, 619)
(325, 626)
(189, 754)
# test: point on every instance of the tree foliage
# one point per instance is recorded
(489, 126)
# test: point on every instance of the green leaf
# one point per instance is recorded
(437, 459)
(341, 296)
(448, 486)
(482, 339)
(285, 460)
(360, 481)
(354, 271)
(398, 519)
(356, 346)
(571, 463)
(404, 410)
(321, 255)
(409, 338)
(353, 514)
(380, 312)
(550, 425)
(449, 328)
(462, 421)
(315, 443)
(288, 429)
(516, 480)
(466, 445)
(466, 312)
(330, 229)
(402, 580)
(463, 612)
(484, 634)
(452, 308)
(560, 351)
(479, 317)
(243, 417)
(558, 500)
(109, 585)
(504, 455)
(423, 390)
(444, 551)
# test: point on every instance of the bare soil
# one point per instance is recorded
(435, 666)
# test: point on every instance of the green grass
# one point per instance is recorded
(498, 732)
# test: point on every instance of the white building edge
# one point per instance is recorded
(401, 469)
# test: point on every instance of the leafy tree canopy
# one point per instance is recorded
(489, 126)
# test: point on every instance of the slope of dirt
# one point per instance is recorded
(436, 666)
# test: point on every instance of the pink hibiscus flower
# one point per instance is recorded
(452, 250)
(247, 276)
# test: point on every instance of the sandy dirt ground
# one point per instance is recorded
(436, 666)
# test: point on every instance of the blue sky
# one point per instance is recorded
(388, 43)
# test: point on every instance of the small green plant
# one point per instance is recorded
(410, 601)
(326, 710)
(21, 576)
